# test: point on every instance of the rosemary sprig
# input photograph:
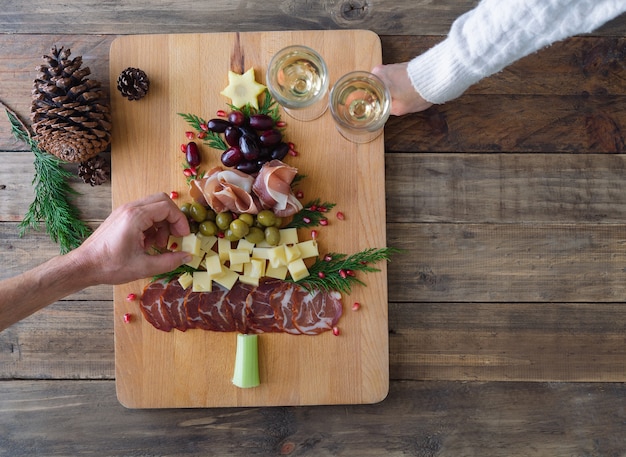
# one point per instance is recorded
(51, 203)
(311, 214)
(171, 275)
(337, 272)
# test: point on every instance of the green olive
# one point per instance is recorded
(210, 215)
(255, 235)
(230, 236)
(279, 222)
(193, 226)
(208, 228)
(266, 218)
(197, 212)
(247, 218)
(185, 208)
(272, 236)
(223, 220)
(239, 228)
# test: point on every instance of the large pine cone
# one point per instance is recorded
(70, 113)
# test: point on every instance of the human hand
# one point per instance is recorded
(404, 98)
(121, 249)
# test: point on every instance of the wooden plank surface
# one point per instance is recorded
(187, 73)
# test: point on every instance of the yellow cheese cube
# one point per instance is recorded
(227, 279)
(255, 268)
(223, 248)
(288, 236)
(308, 249)
(238, 256)
(206, 242)
(202, 282)
(249, 280)
(196, 260)
(185, 280)
(245, 244)
(261, 253)
(298, 270)
(277, 256)
(292, 253)
(278, 272)
(191, 244)
(213, 265)
(174, 243)
(237, 267)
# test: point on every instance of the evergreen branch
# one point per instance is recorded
(51, 204)
(337, 272)
(311, 214)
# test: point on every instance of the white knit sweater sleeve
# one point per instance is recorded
(497, 33)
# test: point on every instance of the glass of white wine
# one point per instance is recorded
(360, 104)
(297, 78)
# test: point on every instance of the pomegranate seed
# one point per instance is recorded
(291, 145)
(350, 273)
(327, 258)
(340, 216)
(322, 209)
(204, 127)
(281, 124)
(306, 220)
(127, 317)
(299, 194)
(356, 306)
(221, 113)
(131, 297)
(183, 148)
(343, 274)
(293, 153)
(321, 275)
(190, 135)
(187, 172)
(336, 331)
(202, 135)
(173, 195)
(313, 208)
(324, 222)
(220, 234)
(174, 246)
(313, 234)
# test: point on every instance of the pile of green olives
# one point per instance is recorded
(254, 228)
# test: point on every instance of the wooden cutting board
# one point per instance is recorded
(155, 369)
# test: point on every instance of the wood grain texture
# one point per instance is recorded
(445, 419)
(157, 369)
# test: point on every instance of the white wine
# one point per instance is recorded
(360, 104)
(297, 78)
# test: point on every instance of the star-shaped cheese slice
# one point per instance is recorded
(243, 89)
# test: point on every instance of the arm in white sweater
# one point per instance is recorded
(497, 33)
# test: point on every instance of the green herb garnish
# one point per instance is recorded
(311, 214)
(51, 204)
(338, 271)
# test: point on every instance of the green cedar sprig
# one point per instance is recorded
(311, 214)
(338, 272)
(51, 204)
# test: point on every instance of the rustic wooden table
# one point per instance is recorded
(506, 317)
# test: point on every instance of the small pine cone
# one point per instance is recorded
(133, 83)
(70, 113)
(95, 171)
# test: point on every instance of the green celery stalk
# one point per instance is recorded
(246, 361)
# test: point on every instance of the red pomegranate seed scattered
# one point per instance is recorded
(313, 208)
(350, 273)
(190, 135)
(299, 194)
(327, 258)
(187, 172)
(293, 153)
(314, 234)
(173, 195)
(220, 234)
(183, 148)
(324, 222)
(281, 124)
(202, 135)
(321, 275)
(221, 113)
(306, 220)
(131, 297)
(336, 331)
(204, 127)
(322, 209)
(356, 306)
(343, 274)
(128, 317)
(174, 246)
(340, 216)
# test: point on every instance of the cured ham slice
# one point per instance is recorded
(226, 190)
(273, 187)
(273, 306)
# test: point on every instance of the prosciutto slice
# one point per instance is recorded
(274, 306)
(226, 190)
(273, 187)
